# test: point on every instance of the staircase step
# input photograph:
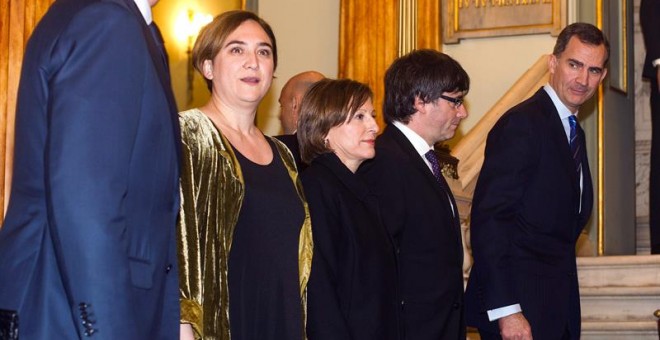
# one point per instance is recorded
(619, 303)
(619, 330)
(630, 271)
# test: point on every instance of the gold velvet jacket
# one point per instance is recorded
(212, 190)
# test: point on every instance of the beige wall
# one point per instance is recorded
(494, 64)
(308, 39)
(307, 33)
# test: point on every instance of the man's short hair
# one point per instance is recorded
(587, 33)
(423, 74)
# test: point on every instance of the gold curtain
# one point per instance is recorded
(17, 20)
(428, 24)
(368, 43)
(368, 40)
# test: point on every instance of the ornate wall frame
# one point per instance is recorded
(487, 18)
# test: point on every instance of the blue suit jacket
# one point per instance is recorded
(88, 246)
(526, 219)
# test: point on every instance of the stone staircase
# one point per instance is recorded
(618, 296)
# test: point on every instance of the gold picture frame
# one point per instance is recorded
(487, 18)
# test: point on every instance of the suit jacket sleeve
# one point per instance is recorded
(510, 160)
(650, 22)
(95, 82)
(326, 320)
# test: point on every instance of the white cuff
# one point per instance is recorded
(498, 313)
(656, 62)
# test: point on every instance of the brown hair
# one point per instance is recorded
(211, 38)
(328, 103)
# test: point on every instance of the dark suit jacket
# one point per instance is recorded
(526, 221)
(88, 245)
(291, 142)
(417, 213)
(649, 19)
(352, 287)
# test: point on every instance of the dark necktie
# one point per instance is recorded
(435, 167)
(575, 143)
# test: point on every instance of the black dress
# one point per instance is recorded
(352, 291)
(264, 291)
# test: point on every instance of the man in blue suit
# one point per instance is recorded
(532, 199)
(88, 246)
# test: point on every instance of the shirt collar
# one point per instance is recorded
(416, 140)
(564, 112)
(145, 9)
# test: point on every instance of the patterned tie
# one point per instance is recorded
(575, 143)
(435, 165)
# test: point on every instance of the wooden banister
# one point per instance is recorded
(470, 149)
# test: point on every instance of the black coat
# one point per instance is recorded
(649, 19)
(418, 214)
(291, 142)
(526, 219)
(352, 287)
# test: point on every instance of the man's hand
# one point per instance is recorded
(515, 327)
(186, 332)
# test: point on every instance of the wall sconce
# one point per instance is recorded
(190, 27)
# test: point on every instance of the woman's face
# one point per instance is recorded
(242, 71)
(354, 140)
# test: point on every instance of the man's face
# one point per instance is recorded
(577, 72)
(288, 114)
(443, 117)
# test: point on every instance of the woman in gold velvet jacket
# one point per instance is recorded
(244, 230)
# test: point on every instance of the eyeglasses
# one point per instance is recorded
(456, 102)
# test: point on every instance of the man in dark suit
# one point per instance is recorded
(290, 99)
(423, 106)
(533, 197)
(88, 246)
(649, 18)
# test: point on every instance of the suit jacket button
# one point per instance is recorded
(168, 268)
(456, 305)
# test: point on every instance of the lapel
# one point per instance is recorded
(587, 185)
(558, 137)
(413, 157)
(162, 72)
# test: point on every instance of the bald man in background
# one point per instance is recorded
(290, 99)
